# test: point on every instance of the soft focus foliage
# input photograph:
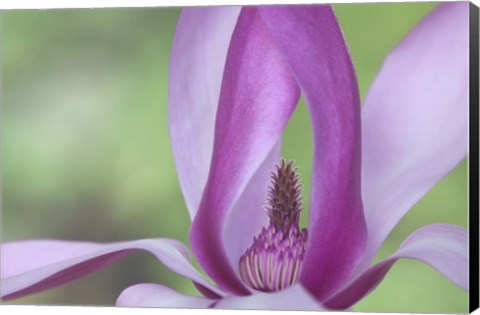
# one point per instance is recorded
(86, 153)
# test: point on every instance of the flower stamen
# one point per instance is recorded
(274, 260)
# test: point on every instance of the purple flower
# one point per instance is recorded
(235, 78)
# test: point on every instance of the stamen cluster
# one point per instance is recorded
(274, 260)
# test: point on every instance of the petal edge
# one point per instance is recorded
(442, 246)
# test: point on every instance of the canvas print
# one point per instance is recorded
(294, 157)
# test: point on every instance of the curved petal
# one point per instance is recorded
(311, 41)
(31, 266)
(196, 68)
(295, 298)
(156, 295)
(257, 98)
(415, 119)
(442, 246)
(195, 74)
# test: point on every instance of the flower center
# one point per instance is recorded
(274, 260)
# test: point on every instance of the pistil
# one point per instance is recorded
(274, 260)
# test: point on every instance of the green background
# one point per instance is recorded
(86, 153)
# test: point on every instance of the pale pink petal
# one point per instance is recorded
(415, 119)
(156, 295)
(31, 266)
(295, 298)
(196, 69)
(442, 246)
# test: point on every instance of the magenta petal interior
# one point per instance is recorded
(311, 41)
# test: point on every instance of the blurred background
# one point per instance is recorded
(86, 153)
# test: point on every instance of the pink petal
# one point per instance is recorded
(31, 266)
(415, 119)
(156, 295)
(196, 68)
(442, 246)
(258, 96)
(311, 41)
(293, 298)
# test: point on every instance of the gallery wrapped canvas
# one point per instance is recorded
(280, 157)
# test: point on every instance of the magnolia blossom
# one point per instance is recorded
(235, 78)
